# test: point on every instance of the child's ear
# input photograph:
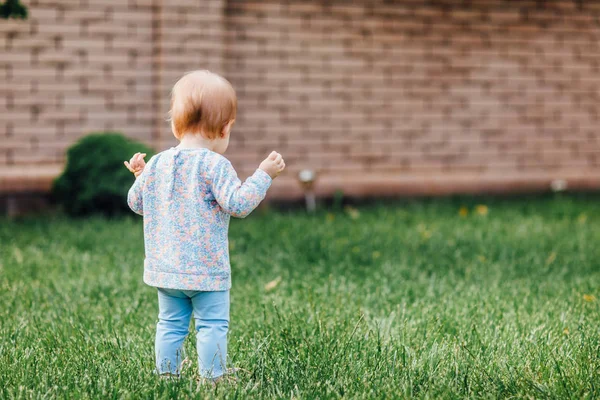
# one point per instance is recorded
(227, 129)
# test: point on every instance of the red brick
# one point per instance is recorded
(62, 29)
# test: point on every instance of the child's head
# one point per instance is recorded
(203, 103)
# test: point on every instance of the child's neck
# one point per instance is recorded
(196, 142)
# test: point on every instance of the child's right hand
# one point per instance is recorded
(273, 165)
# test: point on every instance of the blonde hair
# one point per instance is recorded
(202, 103)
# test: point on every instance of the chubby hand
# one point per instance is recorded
(137, 164)
(273, 165)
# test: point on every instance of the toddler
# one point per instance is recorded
(187, 195)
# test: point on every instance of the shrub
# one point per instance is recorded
(13, 9)
(95, 179)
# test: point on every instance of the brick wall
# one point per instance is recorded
(68, 70)
(381, 97)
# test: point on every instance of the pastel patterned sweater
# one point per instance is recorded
(187, 197)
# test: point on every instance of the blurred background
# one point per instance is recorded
(377, 97)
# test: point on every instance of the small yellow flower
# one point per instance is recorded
(482, 209)
(352, 212)
(376, 255)
(566, 331)
(582, 219)
(463, 211)
(589, 298)
(330, 217)
(425, 233)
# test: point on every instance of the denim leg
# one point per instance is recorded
(211, 312)
(174, 312)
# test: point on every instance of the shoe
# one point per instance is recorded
(185, 365)
(229, 377)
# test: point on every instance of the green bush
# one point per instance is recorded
(95, 179)
(13, 9)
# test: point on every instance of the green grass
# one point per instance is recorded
(386, 301)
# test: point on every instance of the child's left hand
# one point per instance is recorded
(137, 164)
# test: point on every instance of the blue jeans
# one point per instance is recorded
(211, 313)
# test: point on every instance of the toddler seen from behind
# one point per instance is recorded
(187, 195)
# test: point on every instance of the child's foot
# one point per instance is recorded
(185, 364)
(229, 377)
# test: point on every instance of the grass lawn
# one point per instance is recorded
(397, 300)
